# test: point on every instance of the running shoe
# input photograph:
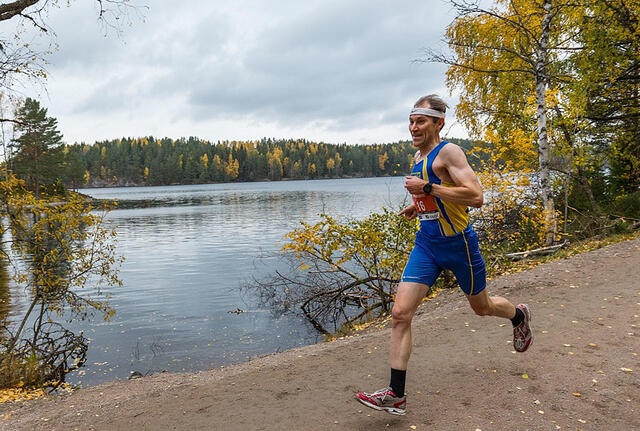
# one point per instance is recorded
(384, 399)
(522, 335)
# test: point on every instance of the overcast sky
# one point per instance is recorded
(332, 71)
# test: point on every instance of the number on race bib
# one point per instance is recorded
(424, 203)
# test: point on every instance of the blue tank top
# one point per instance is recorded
(438, 218)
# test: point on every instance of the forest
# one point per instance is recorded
(151, 161)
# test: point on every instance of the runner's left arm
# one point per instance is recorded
(467, 190)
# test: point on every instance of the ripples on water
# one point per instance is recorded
(187, 250)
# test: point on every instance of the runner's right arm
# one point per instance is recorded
(409, 212)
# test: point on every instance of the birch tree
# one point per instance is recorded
(505, 60)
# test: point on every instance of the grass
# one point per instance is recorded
(20, 372)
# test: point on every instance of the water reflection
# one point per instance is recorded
(188, 249)
(5, 294)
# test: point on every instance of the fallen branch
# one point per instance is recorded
(536, 252)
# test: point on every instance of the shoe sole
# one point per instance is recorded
(392, 410)
(528, 316)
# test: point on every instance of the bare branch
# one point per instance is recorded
(9, 10)
(615, 117)
(468, 8)
(11, 120)
(513, 5)
(442, 59)
(522, 57)
(34, 22)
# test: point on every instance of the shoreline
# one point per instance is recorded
(263, 180)
(379, 323)
(582, 308)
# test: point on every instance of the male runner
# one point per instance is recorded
(442, 185)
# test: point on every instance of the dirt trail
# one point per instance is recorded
(582, 371)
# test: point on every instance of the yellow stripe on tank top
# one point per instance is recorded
(457, 214)
(470, 265)
(425, 175)
(445, 228)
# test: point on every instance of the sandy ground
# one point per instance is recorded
(582, 371)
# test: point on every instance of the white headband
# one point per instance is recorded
(427, 111)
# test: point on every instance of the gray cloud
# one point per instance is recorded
(328, 63)
(324, 64)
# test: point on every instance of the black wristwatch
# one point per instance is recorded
(427, 188)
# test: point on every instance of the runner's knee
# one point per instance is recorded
(401, 314)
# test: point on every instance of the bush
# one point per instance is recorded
(16, 371)
(340, 272)
(43, 361)
(62, 246)
(628, 205)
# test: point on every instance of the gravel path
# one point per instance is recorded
(582, 371)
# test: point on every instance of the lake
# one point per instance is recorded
(188, 250)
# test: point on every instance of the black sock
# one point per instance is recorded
(518, 318)
(398, 378)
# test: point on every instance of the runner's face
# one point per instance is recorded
(423, 130)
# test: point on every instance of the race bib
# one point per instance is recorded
(424, 203)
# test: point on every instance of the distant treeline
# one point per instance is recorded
(150, 161)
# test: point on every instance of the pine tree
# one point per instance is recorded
(74, 169)
(38, 157)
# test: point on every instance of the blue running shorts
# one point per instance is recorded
(458, 253)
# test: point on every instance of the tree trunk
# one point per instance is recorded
(36, 176)
(584, 182)
(16, 337)
(541, 117)
(580, 174)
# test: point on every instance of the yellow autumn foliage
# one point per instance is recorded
(20, 394)
(512, 218)
(63, 246)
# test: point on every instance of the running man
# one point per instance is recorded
(442, 186)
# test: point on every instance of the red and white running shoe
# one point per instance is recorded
(384, 399)
(522, 335)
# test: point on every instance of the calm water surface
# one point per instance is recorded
(188, 249)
